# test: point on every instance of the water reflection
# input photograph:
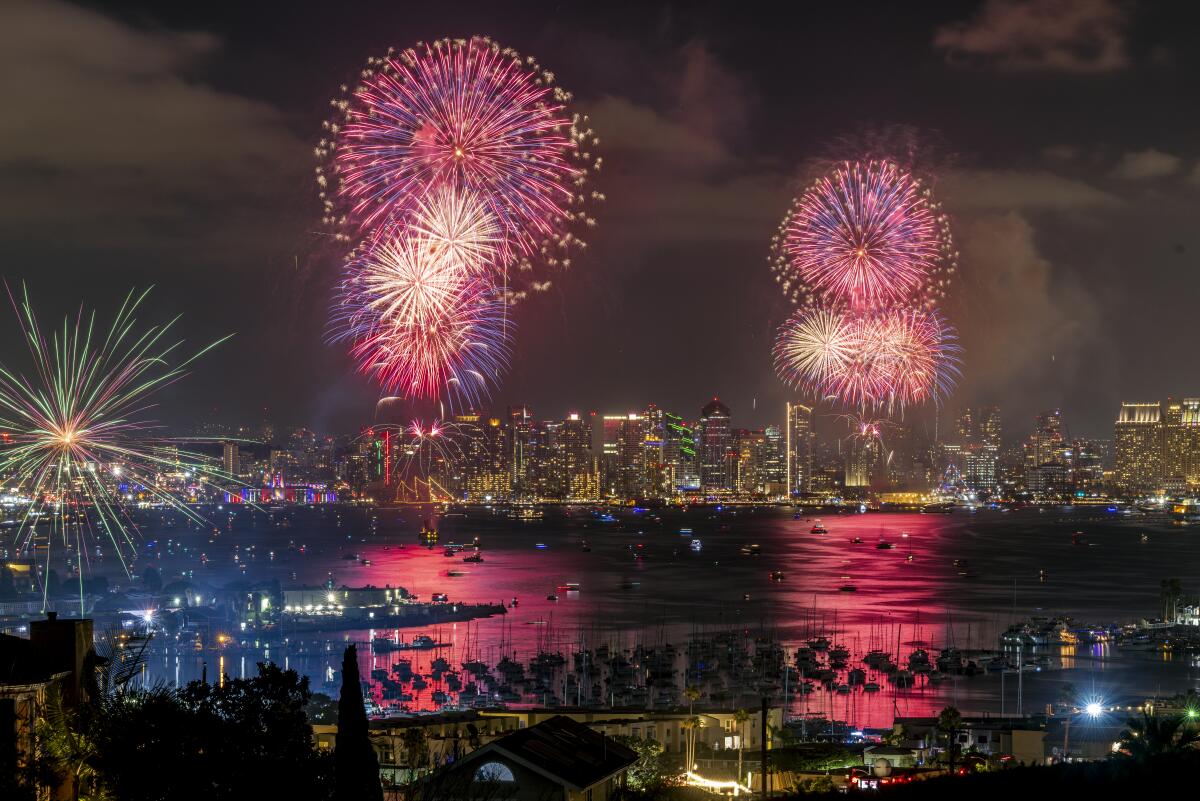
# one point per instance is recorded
(897, 583)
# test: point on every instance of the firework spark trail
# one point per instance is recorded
(77, 430)
(886, 360)
(420, 325)
(471, 115)
(869, 254)
(458, 171)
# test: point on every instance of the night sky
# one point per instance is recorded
(171, 144)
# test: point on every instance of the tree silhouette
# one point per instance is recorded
(950, 721)
(356, 770)
(1151, 736)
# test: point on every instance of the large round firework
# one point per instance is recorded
(472, 115)
(866, 235)
(887, 360)
(420, 324)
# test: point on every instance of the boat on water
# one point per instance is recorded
(570, 586)
(776, 575)
(551, 597)
(871, 687)
(818, 529)
(585, 547)
(884, 545)
(856, 540)
(847, 588)
(696, 545)
(456, 573)
(475, 557)
(752, 550)
(422, 642)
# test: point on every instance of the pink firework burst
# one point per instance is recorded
(866, 235)
(882, 360)
(420, 324)
(472, 115)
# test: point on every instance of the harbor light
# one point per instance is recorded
(1093, 709)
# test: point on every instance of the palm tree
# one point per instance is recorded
(740, 717)
(1170, 590)
(689, 726)
(692, 693)
(950, 721)
(1152, 735)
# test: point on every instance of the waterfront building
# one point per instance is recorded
(862, 454)
(1137, 445)
(575, 445)
(714, 440)
(231, 460)
(631, 457)
(773, 471)
(798, 449)
(521, 441)
(1181, 445)
(749, 450)
(679, 454)
(610, 435)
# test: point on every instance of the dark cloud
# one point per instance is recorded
(108, 135)
(1149, 163)
(1075, 36)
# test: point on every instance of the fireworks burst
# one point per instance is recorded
(420, 324)
(868, 234)
(76, 431)
(469, 114)
(881, 361)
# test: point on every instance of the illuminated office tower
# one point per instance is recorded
(575, 445)
(749, 449)
(522, 441)
(798, 449)
(1137, 446)
(679, 453)
(232, 459)
(631, 457)
(772, 470)
(714, 439)
(1181, 445)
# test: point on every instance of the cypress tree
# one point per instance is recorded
(356, 770)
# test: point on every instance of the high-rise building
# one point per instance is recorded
(1181, 445)
(631, 457)
(679, 453)
(798, 449)
(1137, 445)
(575, 444)
(773, 471)
(749, 449)
(232, 459)
(980, 455)
(714, 440)
(487, 467)
(610, 436)
(522, 440)
(862, 456)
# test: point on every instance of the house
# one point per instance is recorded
(57, 658)
(718, 728)
(558, 758)
(1021, 740)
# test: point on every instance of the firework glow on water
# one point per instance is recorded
(77, 436)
